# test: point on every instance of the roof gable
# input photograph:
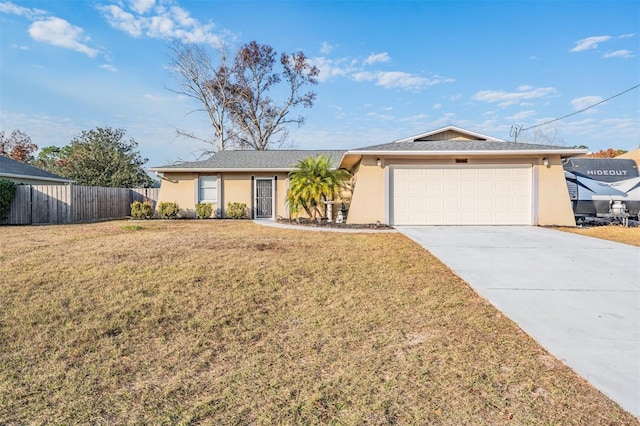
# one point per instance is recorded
(450, 133)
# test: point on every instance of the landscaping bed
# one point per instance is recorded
(323, 223)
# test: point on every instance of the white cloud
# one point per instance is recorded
(589, 43)
(619, 54)
(12, 9)
(59, 32)
(142, 6)
(399, 80)
(504, 99)
(375, 58)
(585, 102)
(161, 20)
(522, 115)
(108, 67)
(122, 20)
(19, 47)
(437, 106)
(326, 48)
(453, 97)
(330, 68)
(627, 35)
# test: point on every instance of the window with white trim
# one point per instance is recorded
(208, 189)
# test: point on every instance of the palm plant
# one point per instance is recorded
(312, 183)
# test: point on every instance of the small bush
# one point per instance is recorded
(7, 192)
(168, 210)
(204, 210)
(132, 227)
(236, 210)
(141, 210)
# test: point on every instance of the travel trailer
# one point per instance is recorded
(603, 187)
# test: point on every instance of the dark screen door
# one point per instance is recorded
(264, 201)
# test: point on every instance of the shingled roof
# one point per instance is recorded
(10, 168)
(460, 145)
(280, 160)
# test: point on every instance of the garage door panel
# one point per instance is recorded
(469, 195)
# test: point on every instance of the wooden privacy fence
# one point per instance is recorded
(56, 204)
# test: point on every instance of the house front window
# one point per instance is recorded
(208, 189)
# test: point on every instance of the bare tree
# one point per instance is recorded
(238, 99)
(199, 79)
(539, 136)
(259, 120)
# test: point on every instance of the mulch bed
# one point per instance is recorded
(323, 223)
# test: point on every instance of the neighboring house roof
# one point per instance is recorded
(633, 155)
(10, 168)
(450, 131)
(272, 161)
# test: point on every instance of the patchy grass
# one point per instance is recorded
(225, 322)
(132, 227)
(616, 233)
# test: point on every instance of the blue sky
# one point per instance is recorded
(389, 69)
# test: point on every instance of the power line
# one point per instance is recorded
(576, 112)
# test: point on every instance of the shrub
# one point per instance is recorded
(141, 210)
(236, 210)
(204, 210)
(168, 210)
(7, 192)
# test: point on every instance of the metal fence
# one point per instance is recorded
(57, 204)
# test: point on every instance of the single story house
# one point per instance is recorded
(448, 176)
(23, 173)
(259, 179)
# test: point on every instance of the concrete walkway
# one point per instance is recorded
(579, 297)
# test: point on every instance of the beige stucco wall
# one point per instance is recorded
(368, 197)
(179, 188)
(552, 203)
(182, 188)
(236, 188)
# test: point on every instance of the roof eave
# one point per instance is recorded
(222, 170)
(19, 176)
(421, 153)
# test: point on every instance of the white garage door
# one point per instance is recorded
(465, 195)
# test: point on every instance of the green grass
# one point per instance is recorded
(227, 322)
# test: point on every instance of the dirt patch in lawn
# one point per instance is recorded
(616, 233)
(225, 322)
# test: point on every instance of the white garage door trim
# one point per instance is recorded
(471, 194)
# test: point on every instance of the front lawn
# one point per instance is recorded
(228, 322)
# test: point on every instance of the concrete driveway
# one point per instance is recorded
(579, 297)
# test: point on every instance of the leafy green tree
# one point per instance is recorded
(313, 182)
(98, 157)
(53, 158)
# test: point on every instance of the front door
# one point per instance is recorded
(264, 198)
